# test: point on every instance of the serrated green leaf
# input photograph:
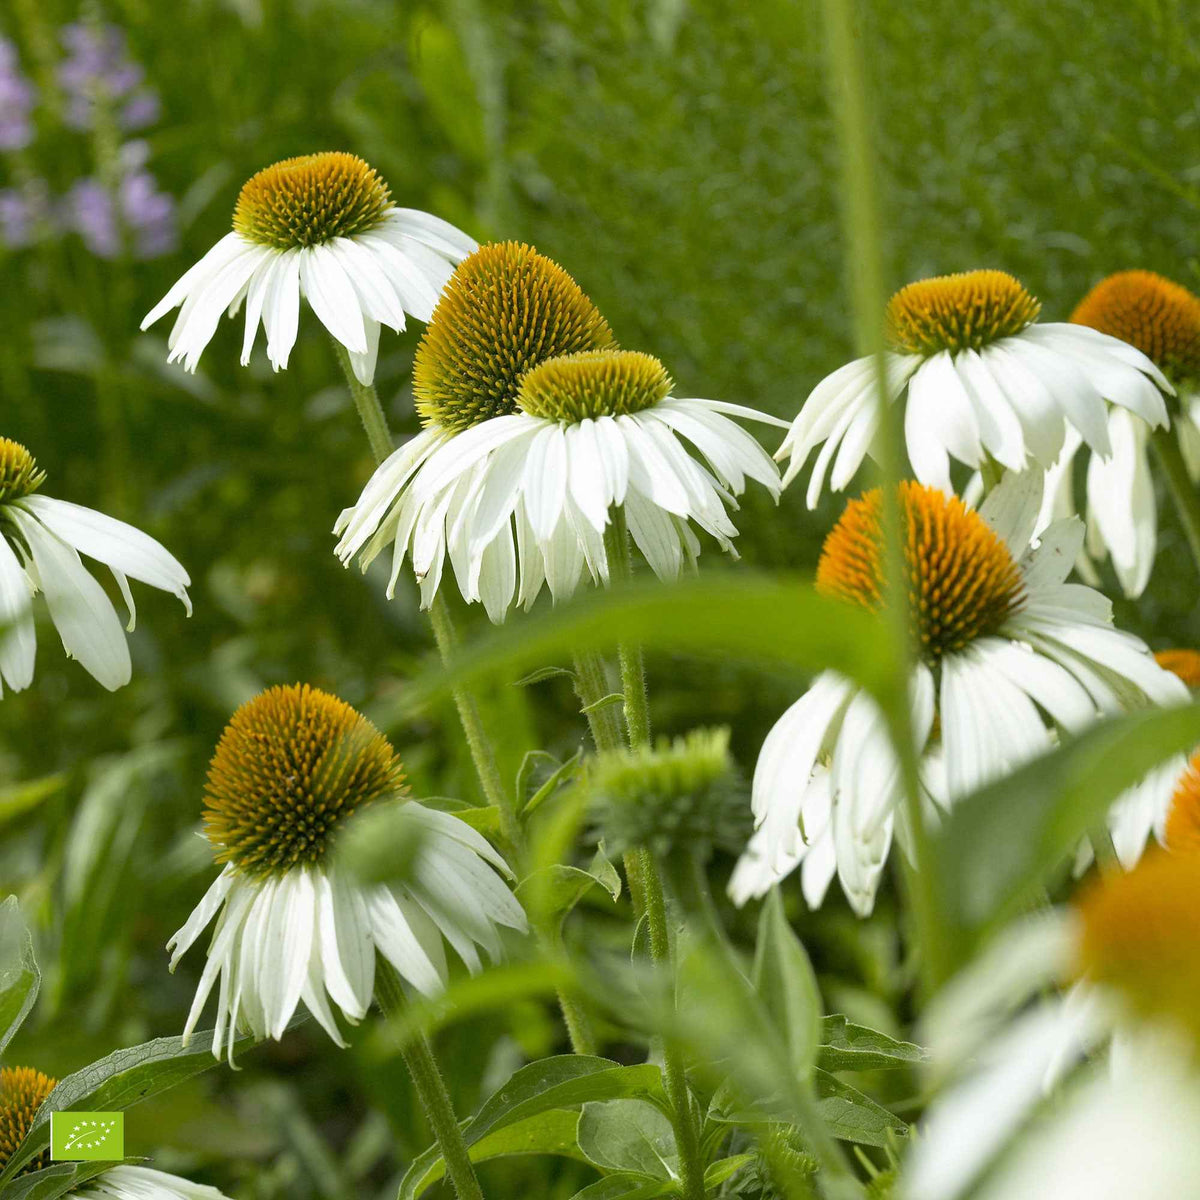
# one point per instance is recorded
(559, 1082)
(115, 1083)
(784, 980)
(19, 974)
(997, 845)
(629, 1136)
(550, 1132)
(849, 1047)
(853, 1116)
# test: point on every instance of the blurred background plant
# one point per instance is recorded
(679, 159)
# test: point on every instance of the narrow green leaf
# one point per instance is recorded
(542, 673)
(849, 1047)
(559, 1082)
(726, 1168)
(16, 799)
(998, 844)
(115, 1083)
(629, 1136)
(623, 1186)
(853, 1116)
(604, 702)
(552, 784)
(787, 986)
(19, 974)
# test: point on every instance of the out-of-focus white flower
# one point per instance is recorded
(1009, 653)
(41, 540)
(980, 379)
(322, 227)
(291, 767)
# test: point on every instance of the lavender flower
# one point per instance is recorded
(98, 70)
(137, 209)
(17, 97)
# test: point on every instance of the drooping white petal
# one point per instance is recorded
(18, 641)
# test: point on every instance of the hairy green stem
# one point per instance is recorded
(431, 1090)
(366, 400)
(687, 1134)
(633, 669)
(591, 686)
(1183, 490)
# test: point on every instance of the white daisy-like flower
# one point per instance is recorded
(322, 227)
(291, 767)
(1010, 653)
(23, 1090)
(526, 498)
(1127, 953)
(1161, 319)
(41, 540)
(981, 379)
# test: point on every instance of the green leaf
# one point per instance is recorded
(726, 1168)
(630, 1136)
(552, 892)
(19, 974)
(852, 1116)
(380, 844)
(604, 702)
(559, 1082)
(16, 799)
(777, 621)
(115, 1083)
(542, 673)
(58, 1179)
(550, 1132)
(784, 980)
(997, 845)
(849, 1047)
(624, 1186)
(562, 772)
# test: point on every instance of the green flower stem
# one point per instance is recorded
(687, 1134)
(633, 670)
(1183, 490)
(370, 411)
(591, 686)
(431, 1090)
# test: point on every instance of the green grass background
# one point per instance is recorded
(679, 159)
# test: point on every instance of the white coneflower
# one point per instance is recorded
(982, 379)
(524, 492)
(1162, 320)
(1129, 952)
(322, 227)
(22, 1092)
(291, 767)
(1008, 651)
(40, 542)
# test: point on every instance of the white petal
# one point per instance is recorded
(331, 296)
(18, 642)
(290, 927)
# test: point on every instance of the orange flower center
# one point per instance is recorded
(19, 474)
(1160, 318)
(962, 581)
(959, 312)
(22, 1090)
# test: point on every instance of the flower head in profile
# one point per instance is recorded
(1008, 653)
(293, 765)
(530, 449)
(22, 1092)
(322, 227)
(1129, 951)
(41, 540)
(980, 379)
(1162, 320)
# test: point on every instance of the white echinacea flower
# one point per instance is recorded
(292, 925)
(527, 457)
(1009, 652)
(982, 379)
(41, 540)
(23, 1090)
(1020, 1110)
(1162, 320)
(322, 227)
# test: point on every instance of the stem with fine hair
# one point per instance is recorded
(1183, 490)
(431, 1089)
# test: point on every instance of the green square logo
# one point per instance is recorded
(87, 1136)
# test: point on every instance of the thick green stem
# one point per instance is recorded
(483, 753)
(687, 1133)
(1183, 490)
(431, 1091)
(591, 686)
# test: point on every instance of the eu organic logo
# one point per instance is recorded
(90, 1136)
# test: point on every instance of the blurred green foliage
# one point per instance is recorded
(679, 159)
